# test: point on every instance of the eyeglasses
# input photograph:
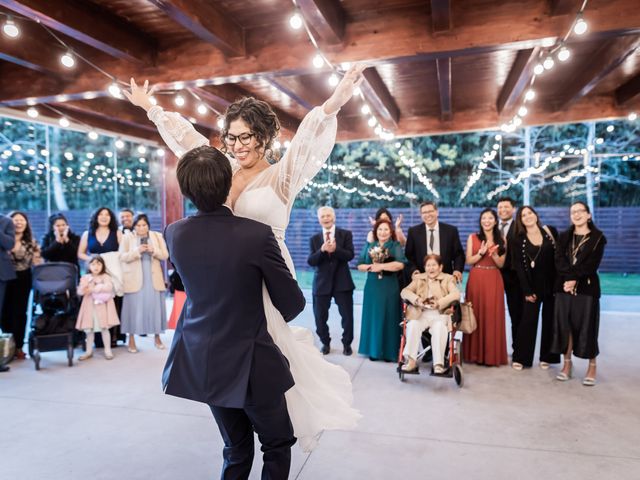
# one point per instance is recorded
(245, 139)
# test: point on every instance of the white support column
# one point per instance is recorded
(526, 184)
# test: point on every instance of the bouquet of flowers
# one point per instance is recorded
(378, 254)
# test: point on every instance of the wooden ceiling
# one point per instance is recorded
(435, 65)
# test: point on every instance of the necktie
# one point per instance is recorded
(327, 236)
(431, 239)
(503, 227)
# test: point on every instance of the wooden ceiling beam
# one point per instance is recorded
(273, 81)
(518, 80)
(326, 17)
(207, 22)
(89, 25)
(628, 90)
(564, 7)
(608, 57)
(378, 97)
(440, 16)
(443, 69)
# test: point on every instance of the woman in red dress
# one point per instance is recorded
(486, 254)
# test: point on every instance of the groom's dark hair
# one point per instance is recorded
(204, 176)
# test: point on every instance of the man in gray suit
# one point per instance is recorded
(7, 272)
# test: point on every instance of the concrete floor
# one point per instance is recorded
(110, 420)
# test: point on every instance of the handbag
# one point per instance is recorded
(464, 317)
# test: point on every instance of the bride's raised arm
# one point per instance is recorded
(315, 138)
(177, 132)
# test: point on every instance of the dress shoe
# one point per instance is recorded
(4, 368)
(20, 355)
(325, 349)
(347, 350)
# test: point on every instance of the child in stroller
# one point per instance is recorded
(98, 310)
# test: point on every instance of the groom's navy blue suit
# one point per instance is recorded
(221, 353)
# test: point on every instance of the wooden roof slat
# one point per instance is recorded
(443, 67)
(564, 7)
(519, 78)
(326, 17)
(440, 16)
(628, 91)
(609, 56)
(207, 22)
(379, 99)
(287, 91)
(84, 24)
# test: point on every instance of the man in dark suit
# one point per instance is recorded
(436, 237)
(331, 251)
(515, 297)
(222, 353)
(7, 272)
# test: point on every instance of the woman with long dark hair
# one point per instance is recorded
(533, 260)
(24, 254)
(577, 306)
(60, 244)
(384, 213)
(103, 238)
(485, 290)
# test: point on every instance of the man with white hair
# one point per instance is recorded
(331, 251)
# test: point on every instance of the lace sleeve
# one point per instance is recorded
(308, 151)
(177, 132)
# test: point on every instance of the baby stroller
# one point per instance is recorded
(54, 311)
(452, 357)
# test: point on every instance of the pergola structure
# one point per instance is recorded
(435, 65)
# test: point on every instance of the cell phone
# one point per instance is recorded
(144, 240)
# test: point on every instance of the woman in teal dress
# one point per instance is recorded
(381, 308)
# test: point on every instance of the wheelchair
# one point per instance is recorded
(452, 358)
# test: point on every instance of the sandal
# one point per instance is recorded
(589, 381)
(517, 366)
(563, 377)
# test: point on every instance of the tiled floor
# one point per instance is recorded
(110, 420)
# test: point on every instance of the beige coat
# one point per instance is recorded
(131, 262)
(443, 288)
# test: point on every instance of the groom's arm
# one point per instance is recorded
(282, 287)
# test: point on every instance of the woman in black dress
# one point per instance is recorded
(533, 254)
(577, 308)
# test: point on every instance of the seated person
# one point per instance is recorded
(430, 295)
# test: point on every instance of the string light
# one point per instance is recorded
(522, 111)
(10, 29)
(295, 21)
(32, 112)
(64, 123)
(580, 26)
(114, 90)
(92, 135)
(202, 109)
(538, 69)
(67, 60)
(179, 100)
(119, 144)
(632, 116)
(530, 95)
(333, 80)
(564, 54)
(318, 61)
(548, 63)
(220, 123)
(365, 109)
(142, 149)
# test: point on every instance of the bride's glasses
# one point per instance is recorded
(245, 139)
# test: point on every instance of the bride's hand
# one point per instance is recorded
(344, 91)
(140, 96)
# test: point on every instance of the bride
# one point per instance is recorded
(321, 398)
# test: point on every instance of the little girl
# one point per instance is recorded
(98, 310)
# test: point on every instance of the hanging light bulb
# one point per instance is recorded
(32, 112)
(160, 152)
(114, 90)
(522, 111)
(538, 69)
(517, 121)
(119, 144)
(179, 100)
(10, 29)
(295, 21)
(372, 121)
(580, 27)
(202, 109)
(548, 63)
(92, 135)
(530, 95)
(142, 149)
(610, 128)
(67, 60)
(365, 110)
(333, 80)
(153, 100)
(632, 116)
(64, 123)
(564, 54)
(318, 61)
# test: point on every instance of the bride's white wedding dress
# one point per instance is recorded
(322, 396)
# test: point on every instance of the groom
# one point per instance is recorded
(222, 354)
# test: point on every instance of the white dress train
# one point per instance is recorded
(322, 397)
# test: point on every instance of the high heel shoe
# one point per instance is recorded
(589, 381)
(563, 377)
(517, 366)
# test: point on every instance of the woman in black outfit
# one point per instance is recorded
(533, 255)
(60, 244)
(577, 309)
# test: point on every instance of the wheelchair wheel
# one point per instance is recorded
(458, 347)
(458, 375)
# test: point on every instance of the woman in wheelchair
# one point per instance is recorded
(430, 296)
